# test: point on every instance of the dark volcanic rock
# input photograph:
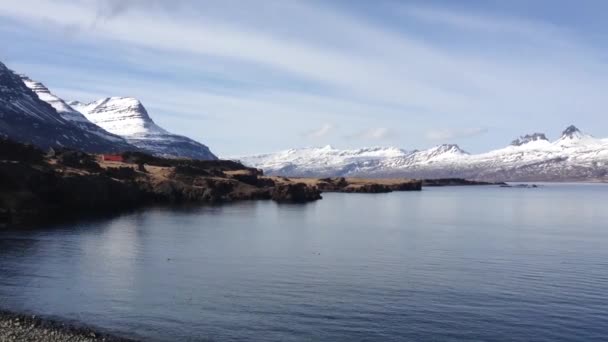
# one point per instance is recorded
(529, 138)
(13, 151)
(40, 193)
(341, 184)
(295, 193)
(407, 186)
(252, 178)
(455, 182)
(332, 184)
(125, 173)
(372, 188)
(79, 160)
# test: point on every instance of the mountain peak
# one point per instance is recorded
(124, 116)
(123, 104)
(441, 152)
(128, 118)
(528, 138)
(449, 148)
(30, 113)
(571, 132)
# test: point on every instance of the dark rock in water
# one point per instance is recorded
(406, 186)
(455, 182)
(520, 186)
(368, 188)
(295, 193)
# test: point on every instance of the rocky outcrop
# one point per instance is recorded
(68, 183)
(455, 182)
(295, 193)
(367, 188)
(372, 186)
(524, 139)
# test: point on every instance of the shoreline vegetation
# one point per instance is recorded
(41, 187)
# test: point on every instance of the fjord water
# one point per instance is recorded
(449, 264)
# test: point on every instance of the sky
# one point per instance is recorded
(248, 77)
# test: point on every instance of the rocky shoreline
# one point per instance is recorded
(28, 328)
(42, 187)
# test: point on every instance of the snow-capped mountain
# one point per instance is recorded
(127, 117)
(321, 161)
(574, 156)
(26, 118)
(72, 115)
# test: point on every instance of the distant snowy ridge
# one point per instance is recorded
(128, 118)
(574, 156)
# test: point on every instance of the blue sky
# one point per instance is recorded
(258, 76)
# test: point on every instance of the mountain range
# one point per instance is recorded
(31, 113)
(575, 156)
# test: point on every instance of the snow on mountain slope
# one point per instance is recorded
(127, 117)
(72, 115)
(321, 161)
(574, 156)
(24, 117)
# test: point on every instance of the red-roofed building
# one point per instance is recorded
(112, 157)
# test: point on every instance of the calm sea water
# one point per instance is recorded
(445, 264)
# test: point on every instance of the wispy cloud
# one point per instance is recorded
(446, 134)
(263, 65)
(320, 132)
(375, 133)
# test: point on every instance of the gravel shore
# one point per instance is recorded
(15, 327)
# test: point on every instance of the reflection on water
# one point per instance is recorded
(445, 264)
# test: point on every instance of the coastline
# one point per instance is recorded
(38, 187)
(32, 328)
(57, 186)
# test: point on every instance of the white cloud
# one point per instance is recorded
(320, 132)
(344, 69)
(375, 133)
